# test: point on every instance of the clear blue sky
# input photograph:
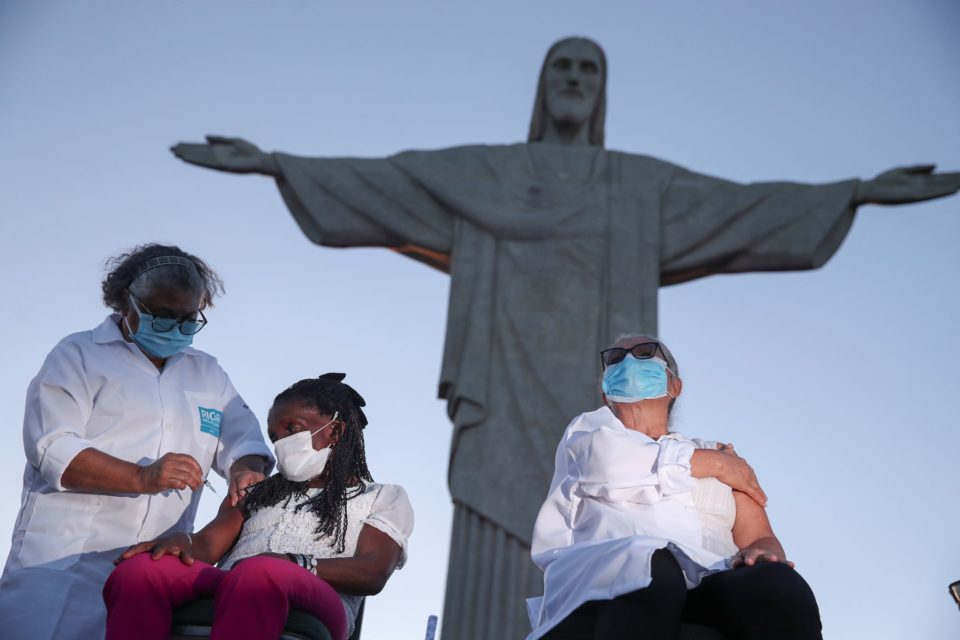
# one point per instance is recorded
(838, 385)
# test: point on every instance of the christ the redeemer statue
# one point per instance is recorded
(554, 248)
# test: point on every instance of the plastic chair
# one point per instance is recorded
(192, 621)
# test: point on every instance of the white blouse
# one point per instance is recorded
(616, 497)
(285, 530)
(96, 390)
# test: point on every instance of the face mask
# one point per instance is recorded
(297, 460)
(632, 380)
(156, 343)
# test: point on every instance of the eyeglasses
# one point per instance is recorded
(642, 351)
(164, 325)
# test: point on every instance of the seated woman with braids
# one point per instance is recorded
(316, 537)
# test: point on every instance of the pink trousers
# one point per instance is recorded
(251, 600)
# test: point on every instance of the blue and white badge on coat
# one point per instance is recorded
(210, 420)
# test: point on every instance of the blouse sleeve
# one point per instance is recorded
(241, 435)
(393, 515)
(619, 466)
(715, 226)
(365, 202)
(59, 404)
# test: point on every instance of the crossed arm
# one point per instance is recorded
(752, 532)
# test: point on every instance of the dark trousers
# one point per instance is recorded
(768, 601)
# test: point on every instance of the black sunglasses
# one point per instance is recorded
(642, 351)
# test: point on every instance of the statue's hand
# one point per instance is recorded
(907, 184)
(235, 155)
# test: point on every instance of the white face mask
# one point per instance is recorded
(297, 460)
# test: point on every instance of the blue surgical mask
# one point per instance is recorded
(159, 344)
(632, 380)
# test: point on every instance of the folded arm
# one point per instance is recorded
(618, 466)
(729, 468)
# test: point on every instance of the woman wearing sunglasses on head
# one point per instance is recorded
(122, 425)
(644, 529)
(316, 537)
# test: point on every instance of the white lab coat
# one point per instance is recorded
(616, 497)
(97, 390)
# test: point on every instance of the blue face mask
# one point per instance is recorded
(632, 380)
(159, 344)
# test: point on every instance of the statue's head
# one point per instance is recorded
(572, 90)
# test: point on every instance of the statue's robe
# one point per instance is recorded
(553, 252)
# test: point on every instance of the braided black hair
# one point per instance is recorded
(125, 267)
(346, 472)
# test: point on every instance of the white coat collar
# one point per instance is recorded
(108, 330)
(604, 417)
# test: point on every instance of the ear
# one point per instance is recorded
(674, 386)
(607, 402)
(337, 430)
(125, 303)
(128, 325)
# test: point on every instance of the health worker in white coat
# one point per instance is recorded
(121, 426)
(645, 530)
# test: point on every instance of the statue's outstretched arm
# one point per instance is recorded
(235, 155)
(903, 185)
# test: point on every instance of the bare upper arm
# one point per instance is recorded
(379, 549)
(220, 533)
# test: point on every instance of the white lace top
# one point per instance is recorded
(717, 509)
(285, 530)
